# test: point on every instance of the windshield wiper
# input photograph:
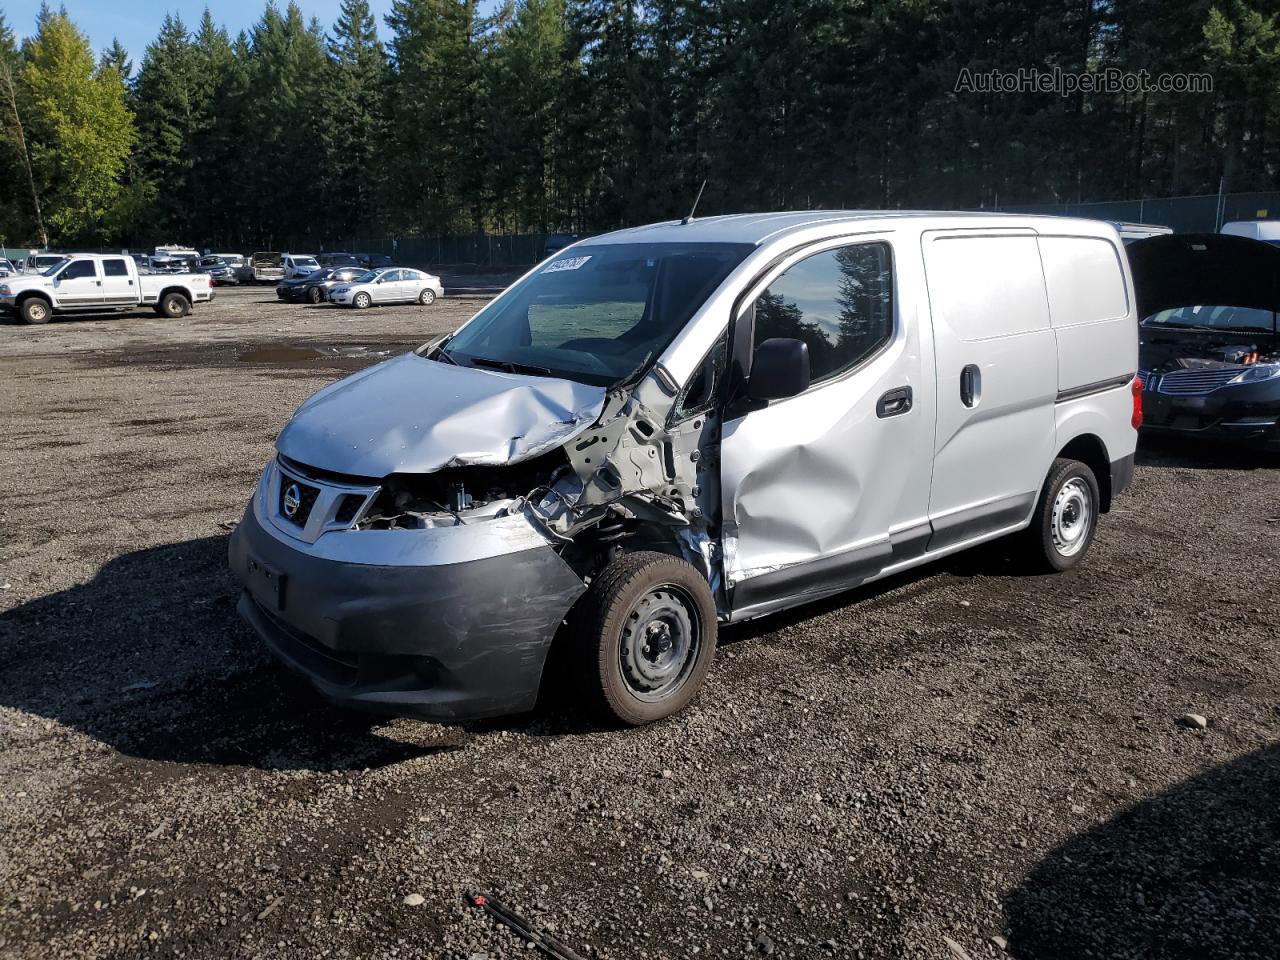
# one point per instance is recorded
(510, 366)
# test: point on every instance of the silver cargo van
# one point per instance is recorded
(669, 428)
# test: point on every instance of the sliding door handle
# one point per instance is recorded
(971, 385)
(894, 403)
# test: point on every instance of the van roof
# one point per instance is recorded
(759, 228)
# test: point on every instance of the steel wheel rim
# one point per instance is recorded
(661, 639)
(37, 311)
(1072, 517)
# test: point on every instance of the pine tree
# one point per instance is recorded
(117, 56)
(164, 102)
(354, 136)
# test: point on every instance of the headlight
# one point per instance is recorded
(4, 290)
(1256, 374)
(343, 290)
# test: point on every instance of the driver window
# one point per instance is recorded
(839, 302)
(78, 269)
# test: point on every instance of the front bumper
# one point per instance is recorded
(1248, 413)
(451, 641)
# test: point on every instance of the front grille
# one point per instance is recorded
(1195, 383)
(304, 493)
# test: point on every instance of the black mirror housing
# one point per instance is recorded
(779, 369)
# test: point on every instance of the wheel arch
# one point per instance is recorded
(1090, 450)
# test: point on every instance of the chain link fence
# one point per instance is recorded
(1195, 214)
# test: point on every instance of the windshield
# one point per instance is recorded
(305, 262)
(1243, 319)
(368, 276)
(599, 314)
(53, 266)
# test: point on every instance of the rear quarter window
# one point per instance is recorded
(1084, 280)
(984, 287)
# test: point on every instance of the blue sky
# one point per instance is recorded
(136, 22)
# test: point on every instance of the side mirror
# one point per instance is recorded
(779, 369)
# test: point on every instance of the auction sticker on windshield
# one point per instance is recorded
(569, 263)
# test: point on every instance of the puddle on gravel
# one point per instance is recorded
(288, 356)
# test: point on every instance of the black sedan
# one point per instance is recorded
(1209, 346)
(315, 288)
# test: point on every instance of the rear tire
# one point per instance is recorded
(1066, 518)
(427, 297)
(173, 306)
(647, 638)
(35, 310)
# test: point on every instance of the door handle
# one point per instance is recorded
(894, 403)
(971, 385)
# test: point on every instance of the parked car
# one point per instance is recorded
(40, 262)
(340, 260)
(316, 288)
(239, 265)
(142, 262)
(267, 266)
(681, 425)
(1268, 231)
(1210, 348)
(96, 283)
(297, 265)
(7, 267)
(388, 285)
(220, 269)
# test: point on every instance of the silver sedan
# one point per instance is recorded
(388, 285)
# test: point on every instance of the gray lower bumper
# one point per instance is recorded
(456, 641)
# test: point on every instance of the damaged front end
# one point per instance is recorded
(426, 528)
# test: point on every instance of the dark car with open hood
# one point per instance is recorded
(1209, 349)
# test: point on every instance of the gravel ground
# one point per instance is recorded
(968, 761)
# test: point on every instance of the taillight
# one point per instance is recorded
(1136, 387)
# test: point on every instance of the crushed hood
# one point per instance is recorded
(413, 415)
(1206, 269)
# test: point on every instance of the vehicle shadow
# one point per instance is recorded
(150, 658)
(1191, 873)
(1202, 454)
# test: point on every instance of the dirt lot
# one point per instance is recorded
(967, 754)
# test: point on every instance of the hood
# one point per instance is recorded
(1207, 269)
(413, 415)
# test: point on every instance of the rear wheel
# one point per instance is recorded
(648, 637)
(35, 310)
(173, 306)
(427, 297)
(361, 300)
(1066, 518)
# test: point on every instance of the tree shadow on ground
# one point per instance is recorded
(1203, 454)
(1192, 874)
(150, 658)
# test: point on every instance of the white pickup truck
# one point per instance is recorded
(97, 283)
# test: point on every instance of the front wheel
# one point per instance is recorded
(35, 310)
(361, 301)
(314, 295)
(427, 297)
(1066, 518)
(648, 637)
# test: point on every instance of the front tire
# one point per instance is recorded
(173, 306)
(1066, 518)
(648, 638)
(34, 310)
(362, 301)
(314, 295)
(427, 297)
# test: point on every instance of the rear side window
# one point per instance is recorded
(114, 268)
(984, 287)
(77, 269)
(1084, 278)
(839, 302)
